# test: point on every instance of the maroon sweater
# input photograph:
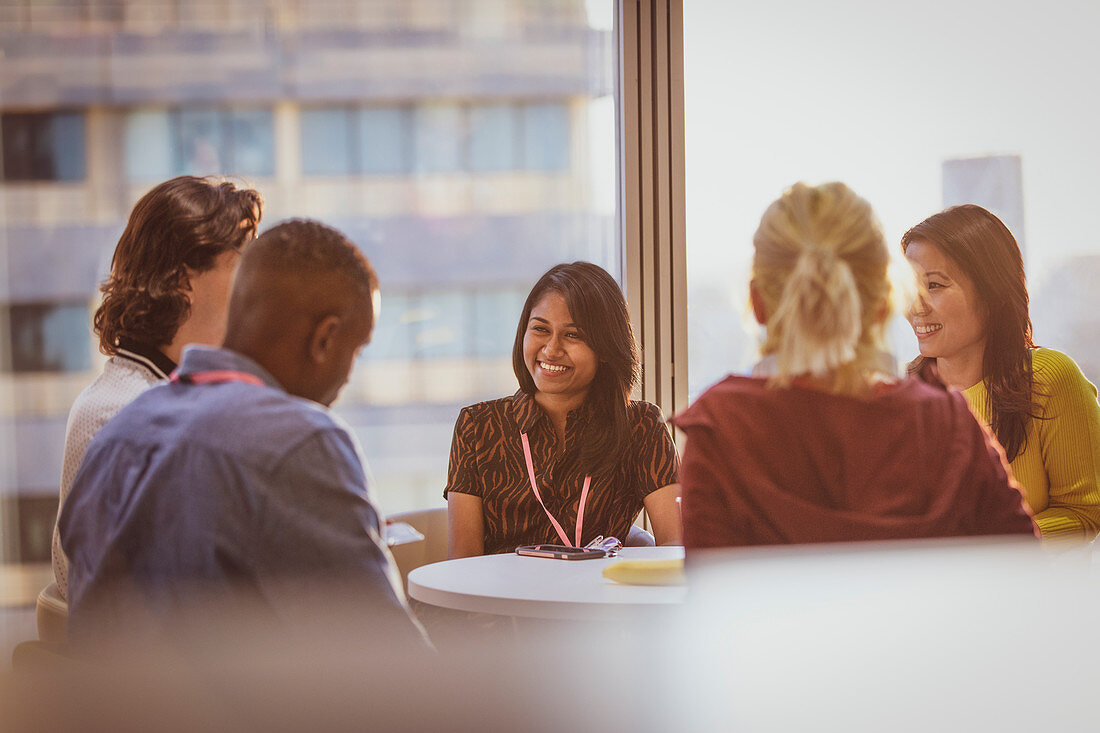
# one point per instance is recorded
(768, 466)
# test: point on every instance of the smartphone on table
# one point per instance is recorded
(560, 552)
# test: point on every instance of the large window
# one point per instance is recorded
(47, 337)
(342, 141)
(440, 134)
(328, 148)
(471, 323)
(384, 145)
(493, 138)
(43, 146)
(465, 147)
(545, 136)
(436, 137)
(200, 140)
(996, 110)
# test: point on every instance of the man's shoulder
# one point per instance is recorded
(268, 415)
(251, 423)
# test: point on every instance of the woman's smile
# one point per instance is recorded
(558, 358)
(553, 368)
(947, 316)
(925, 330)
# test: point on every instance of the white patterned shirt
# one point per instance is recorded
(124, 377)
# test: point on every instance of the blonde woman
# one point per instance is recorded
(830, 447)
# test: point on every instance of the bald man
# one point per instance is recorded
(233, 485)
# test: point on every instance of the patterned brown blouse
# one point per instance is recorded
(487, 461)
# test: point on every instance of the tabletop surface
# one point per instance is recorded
(512, 585)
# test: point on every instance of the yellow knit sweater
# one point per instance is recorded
(1059, 467)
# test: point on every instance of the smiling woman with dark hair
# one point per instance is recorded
(569, 456)
(974, 333)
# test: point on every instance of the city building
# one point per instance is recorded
(465, 145)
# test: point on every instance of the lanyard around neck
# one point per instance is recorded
(535, 490)
(215, 376)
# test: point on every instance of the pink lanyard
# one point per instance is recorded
(535, 490)
(216, 376)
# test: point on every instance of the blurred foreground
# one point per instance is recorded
(901, 636)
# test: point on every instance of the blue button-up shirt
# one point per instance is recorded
(222, 489)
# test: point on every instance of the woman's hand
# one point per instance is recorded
(664, 514)
(466, 528)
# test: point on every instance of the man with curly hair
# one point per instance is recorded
(168, 287)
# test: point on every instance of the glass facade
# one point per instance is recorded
(994, 115)
(43, 146)
(385, 144)
(327, 147)
(446, 140)
(545, 137)
(48, 337)
(198, 141)
(493, 138)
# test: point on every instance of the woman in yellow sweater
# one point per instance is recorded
(974, 332)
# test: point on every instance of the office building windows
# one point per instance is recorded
(440, 132)
(394, 330)
(344, 141)
(435, 138)
(493, 137)
(43, 146)
(495, 315)
(48, 337)
(469, 323)
(546, 137)
(250, 143)
(426, 130)
(326, 142)
(30, 541)
(443, 329)
(148, 146)
(384, 144)
(199, 141)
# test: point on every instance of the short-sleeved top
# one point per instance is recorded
(487, 461)
(1059, 465)
(767, 466)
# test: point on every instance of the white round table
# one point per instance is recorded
(536, 587)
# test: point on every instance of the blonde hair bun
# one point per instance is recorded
(820, 265)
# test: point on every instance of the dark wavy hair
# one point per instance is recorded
(183, 223)
(984, 249)
(597, 306)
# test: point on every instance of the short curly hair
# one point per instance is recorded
(185, 222)
(310, 248)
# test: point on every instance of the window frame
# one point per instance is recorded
(652, 231)
(18, 318)
(41, 125)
